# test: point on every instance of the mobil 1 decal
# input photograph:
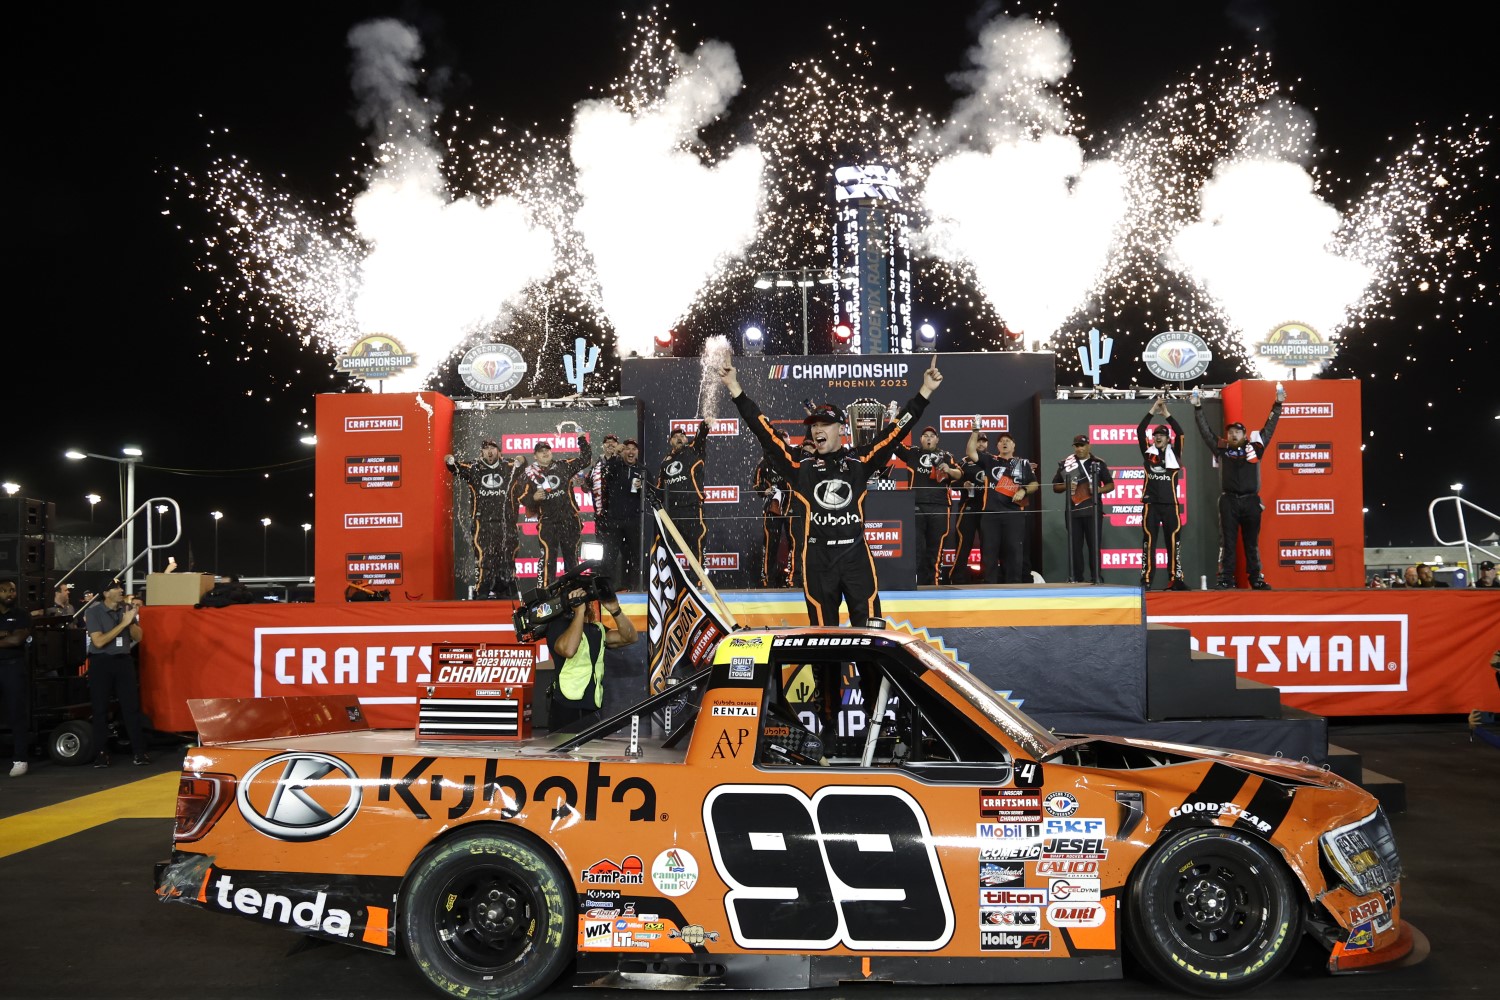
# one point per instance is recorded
(850, 865)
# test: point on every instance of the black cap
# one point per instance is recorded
(630, 441)
(1230, 427)
(1080, 439)
(488, 443)
(1163, 429)
(611, 437)
(1486, 565)
(928, 428)
(824, 413)
(540, 445)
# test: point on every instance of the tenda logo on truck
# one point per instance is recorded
(1306, 652)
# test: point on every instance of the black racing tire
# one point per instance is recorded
(488, 914)
(1213, 912)
(71, 743)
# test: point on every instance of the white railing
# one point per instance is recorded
(1459, 506)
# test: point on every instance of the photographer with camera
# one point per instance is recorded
(577, 643)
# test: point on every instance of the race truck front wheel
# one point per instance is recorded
(1213, 911)
(487, 915)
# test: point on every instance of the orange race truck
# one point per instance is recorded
(817, 806)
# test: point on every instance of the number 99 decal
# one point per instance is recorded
(813, 873)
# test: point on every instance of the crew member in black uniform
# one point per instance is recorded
(775, 522)
(623, 486)
(797, 513)
(549, 495)
(1085, 478)
(1003, 524)
(973, 496)
(680, 482)
(932, 469)
(495, 485)
(1239, 484)
(837, 565)
(1161, 512)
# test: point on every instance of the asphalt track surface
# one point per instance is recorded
(78, 918)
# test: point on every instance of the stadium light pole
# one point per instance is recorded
(132, 458)
(797, 277)
(217, 515)
(305, 529)
(265, 546)
(11, 489)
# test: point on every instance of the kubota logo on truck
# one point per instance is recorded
(1307, 652)
(307, 797)
(373, 659)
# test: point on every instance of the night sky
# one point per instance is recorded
(131, 341)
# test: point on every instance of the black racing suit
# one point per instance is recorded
(836, 561)
(1239, 498)
(929, 484)
(1003, 524)
(558, 524)
(494, 492)
(973, 500)
(680, 481)
(623, 487)
(775, 525)
(1086, 482)
(1161, 511)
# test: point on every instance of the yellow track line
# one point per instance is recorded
(150, 798)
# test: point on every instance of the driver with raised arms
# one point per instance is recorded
(830, 483)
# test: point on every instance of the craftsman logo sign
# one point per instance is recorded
(884, 539)
(392, 519)
(375, 569)
(1306, 410)
(308, 797)
(373, 472)
(328, 659)
(1311, 653)
(721, 494)
(723, 427)
(1305, 555)
(364, 425)
(526, 443)
(721, 560)
(1305, 458)
(1112, 434)
(1304, 506)
(961, 424)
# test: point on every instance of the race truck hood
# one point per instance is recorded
(1153, 751)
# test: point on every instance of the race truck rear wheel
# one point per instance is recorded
(1213, 911)
(489, 915)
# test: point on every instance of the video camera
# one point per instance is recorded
(542, 606)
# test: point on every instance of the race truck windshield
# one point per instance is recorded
(1011, 720)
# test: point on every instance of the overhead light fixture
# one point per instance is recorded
(754, 340)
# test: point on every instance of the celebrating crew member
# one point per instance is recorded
(577, 647)
(495, 487)
(1161, 514)
(549, 495)
(15, 676)
(797, 514)
(932, 469)
(1239, 484)
(680, 480)
(973, 498)
(624, 486)
(1002, 528)
(1085, 478)
(837, 565)
(775, 521)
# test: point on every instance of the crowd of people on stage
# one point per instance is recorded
(975, 501)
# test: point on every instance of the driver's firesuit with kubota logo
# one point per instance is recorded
(680, 484)
(549, 495)
(495, 485)
(830, 486)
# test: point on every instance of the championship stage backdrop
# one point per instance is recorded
(1111, 427)
(384, 508)
(517, 430)
(1001, 389)
(1312, 533)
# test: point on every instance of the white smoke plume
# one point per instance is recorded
(1017, 201)
(658, 222)
(438, 267)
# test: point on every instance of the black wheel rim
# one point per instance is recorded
(1217, 907)
(486, 919)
